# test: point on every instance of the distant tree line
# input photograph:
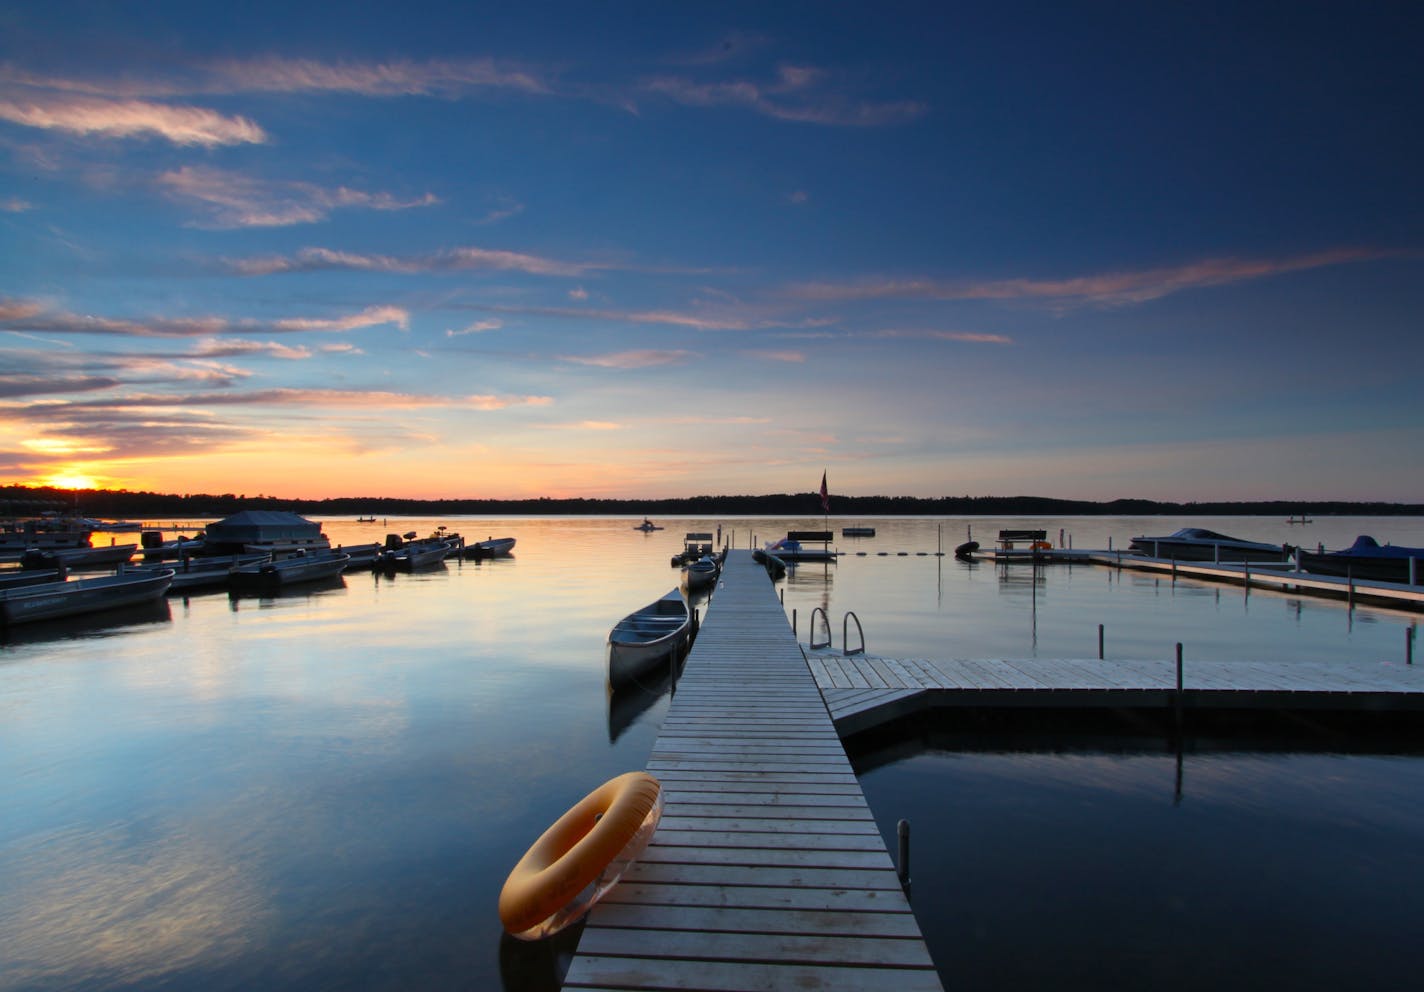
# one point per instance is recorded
(26, 500)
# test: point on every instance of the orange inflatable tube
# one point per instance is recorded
(581, 856)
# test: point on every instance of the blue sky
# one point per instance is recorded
(1168, 251)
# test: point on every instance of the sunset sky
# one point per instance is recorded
(461, 249)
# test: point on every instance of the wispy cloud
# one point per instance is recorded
(794, 357)
(325, 398)
(399, 77)
(129, 119)
(1105, 289)
(26, 315)
(478, 327)
(239, 348)
(450, 260)
(797, 93)
(641, 359)
(232, 200)
(968, 337)
(15, 205)
(711, 318)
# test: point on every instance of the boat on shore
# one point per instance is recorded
(646, 638)
(492, 548)
(279, 573)
(1367, 559)
(55, 600)
(1200, 544)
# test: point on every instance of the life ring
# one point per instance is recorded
(581, 856)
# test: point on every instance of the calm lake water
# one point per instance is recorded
(326, 789)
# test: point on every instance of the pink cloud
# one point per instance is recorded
(233, 200)
(1105, 289)
(643, 359)
(131, 118)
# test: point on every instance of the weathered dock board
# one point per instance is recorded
(767, 870)
(863, 691)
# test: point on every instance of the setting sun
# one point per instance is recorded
(72, 480)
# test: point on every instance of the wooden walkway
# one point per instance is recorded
(863, 691)
(768, 870)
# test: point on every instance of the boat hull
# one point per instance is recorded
(288, 572)
(648, 638)
(57, 600)
(1197, 544)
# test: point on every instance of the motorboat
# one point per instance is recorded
(792, 547)
(278, 573)
(411, 555)
(700, 574)
(642, 640)
(696, 544)
(1199, 544)
(492, 548)
(1368, 559)
(54, 600)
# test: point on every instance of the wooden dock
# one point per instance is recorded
(863, 692)
(1277, 576)
(768, 870)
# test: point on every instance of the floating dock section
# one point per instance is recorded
(865, 692)
(768, 870)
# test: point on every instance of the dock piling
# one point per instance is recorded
(902, 860)
(1178, 697)
(1100, 642)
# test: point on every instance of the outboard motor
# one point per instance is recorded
(35, 559)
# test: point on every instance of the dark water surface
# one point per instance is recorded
(326, 789)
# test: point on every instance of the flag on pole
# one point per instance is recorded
(825, 494)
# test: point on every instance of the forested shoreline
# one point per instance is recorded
(28, 501)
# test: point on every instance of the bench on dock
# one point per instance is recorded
(1008, 538)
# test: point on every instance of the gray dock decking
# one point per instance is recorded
(768, 870)
(865, 691)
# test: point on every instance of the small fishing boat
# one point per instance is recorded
(193, 572)
(78, 559)
(410, 556)
(45, 533)
(1199, 544)
(646, 526)
(54, 600)
(774, 566)
(700, 574)
(645, 638)
(1367, 559)
(302, 566)
(492, 548)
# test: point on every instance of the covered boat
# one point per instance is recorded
(1199, 544)
(647, 637)
(54, 600)
(1368, 559)
(262, 530)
